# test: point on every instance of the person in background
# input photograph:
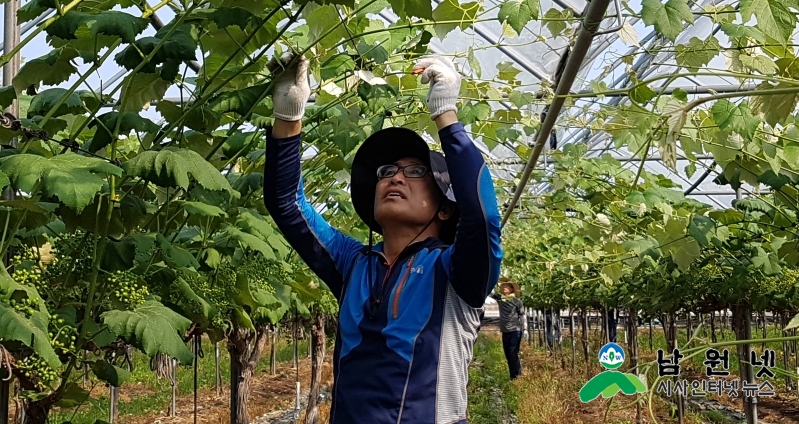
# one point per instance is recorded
(550, 323)
(512, 323)
(612, 323)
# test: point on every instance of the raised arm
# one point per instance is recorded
(329, 253)
(476, 255)
(474, 259)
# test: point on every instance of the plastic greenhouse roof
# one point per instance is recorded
(536, 53)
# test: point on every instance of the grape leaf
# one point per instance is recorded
(139, 89)
(238, 101)
(70, 177)
(737, 118)
(412, 8)
(768, 261)
(735, 31)
(305, 289)
(225, 17)
(175, 256)
(72, 396)
(774, 108)
(256, 7)
(507, 72)
(254, 223)
(196, 308)
(130, 121)
(668, 18)
(474, 63)
(794, 323)
(629, 35)
(51, 69)
(120, 24)
(105, 371)
(32, 9)
(323, 20)
(173, 167)
(7, 96)
(249, 240)
(697, 52)
(774, 18)
(153, 328)
(758, 63)
(97, 5)
(32, 332)
(613, 271)
(451, 10)
(557, 19)
(377, 53)
(642, 93)
(204, 209)
(518, 13)
(690, 169)
(45, 101)
(176, 47)
(337, 66)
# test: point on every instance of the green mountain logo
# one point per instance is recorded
(609, 383)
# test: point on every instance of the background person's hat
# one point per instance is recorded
(513, 285)
(386, 147)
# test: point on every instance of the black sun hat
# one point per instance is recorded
(386, 147)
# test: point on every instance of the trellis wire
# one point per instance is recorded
(10, 121)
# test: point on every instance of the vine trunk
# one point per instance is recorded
(245, 348)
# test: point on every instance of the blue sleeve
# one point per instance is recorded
(329, 253)
(474, 258)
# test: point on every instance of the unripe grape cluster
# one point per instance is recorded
(128, 289)
(327, 303)
(36, 369)
(26, 307)
(62, 335)
(26, 268)
(261, 272)
(73, 254)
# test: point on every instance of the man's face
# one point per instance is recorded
(505, 290)
(400, 200)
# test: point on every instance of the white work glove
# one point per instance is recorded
(445, 84)
(526, 336)
(291, 88)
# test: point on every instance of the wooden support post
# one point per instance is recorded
(273, 354)
(218, 369)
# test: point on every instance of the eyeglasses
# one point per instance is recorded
(410, 171)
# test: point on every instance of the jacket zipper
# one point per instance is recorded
(400, 286)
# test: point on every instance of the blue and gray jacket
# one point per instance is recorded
(408, 362)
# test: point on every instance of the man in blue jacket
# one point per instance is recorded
(410, 305)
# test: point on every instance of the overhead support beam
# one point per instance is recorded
(698, 89)
(520, 60)
(550, 161)
(492, 38)
(565, 5)
(718, 193)
(593, 17)
(30, 25)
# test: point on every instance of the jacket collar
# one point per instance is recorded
(429, 243)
